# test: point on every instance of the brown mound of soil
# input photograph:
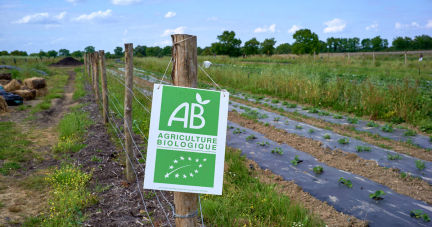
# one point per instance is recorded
(67, 61)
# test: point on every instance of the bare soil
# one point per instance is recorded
(414, 188)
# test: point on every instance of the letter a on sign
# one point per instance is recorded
(186, 149)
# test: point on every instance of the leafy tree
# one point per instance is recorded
(384, 44)
(323, 46)
(118, 51)
(400, 43)
(227, 45)
(376, 43)
(167, 51)
(108, 55)
(64, 52)
(153, 51)
(207, 51)
(16, 53)
(306, 42)
(353, 44)
(24, 53)
(366, 44)
(42, 54)
(89, 49)
(251, 47)
(284, 48)
(199, 50)
(140, 51)
(4, 53)
(267, 46)
(52, 53)
(423, 42)
(77, 54)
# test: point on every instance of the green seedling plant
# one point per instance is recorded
(266, 124)
(291, 105)
(324, 113)
(306, 108)
(352, 120)
(362, 148)
(274, 101)
(344, 141)
(393, 157)
(377, 195)
(276, 118)
(410, 133)
(286, 123)
(420, 165)
(430, 138)
(387, 128)
(311, 130)
(346, 182)
(238, 131)
(337, 116)
(262, 143)
(326, 136)
(318, 169)
(251, 137)
(298, 127)
(285, 103)
(419, 214)
(372, 124)
(96, 159)
(230, 127)
(295, 161)
(314, 110)
(277, 150)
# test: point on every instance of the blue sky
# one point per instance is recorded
(32, 25)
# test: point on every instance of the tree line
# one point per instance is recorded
(306, 42)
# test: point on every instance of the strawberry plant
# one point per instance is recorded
(265, 104)
(326, 136)
(281, 109)
(318, 169)
(377, 195)
(410, 133)
(235, 105)
(266, 124)
(420, 165)
(306, 108)
(230, 127)
(430, 138)
(337, 116)
(419, 214)
(291, 105)
(393, 157)
(275, 101)
(346, 182)
(262, 143)
(286, 122)
(311, 130)
(298, 127)
(251, 137)
(296, 160)
(344, 141)
(324, 113)
(362, 148)
(238, 131)
(285, 103)
(372, 124)
(314, 110)
(276, 118)
(387, 128)
(352, 120)
(277, 150)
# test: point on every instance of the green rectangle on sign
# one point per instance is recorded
(184, 168)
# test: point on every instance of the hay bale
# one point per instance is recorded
(4, 82)
(12, 86)
(25, 94)
(41, 92)
(3, 105)
(35, 83)
(5, 76)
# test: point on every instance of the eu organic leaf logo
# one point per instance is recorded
(199, 99)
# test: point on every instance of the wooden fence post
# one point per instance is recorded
(185, 74)
(128, 109)
(91, 69)
(96, 77)
(405, 58)
(85, 64)
(104, 86)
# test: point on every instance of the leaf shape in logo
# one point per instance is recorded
(199, 99)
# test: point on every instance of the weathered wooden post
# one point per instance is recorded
(91, 70)
(185, 74)
(128, 109)
(104, 86)
(96, 76)
(85, 64)
(405, 58)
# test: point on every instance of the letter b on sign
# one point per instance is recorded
(190, 111)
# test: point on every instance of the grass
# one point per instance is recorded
(79, 84)
(13, 143)
(55, 85)
(246, 200)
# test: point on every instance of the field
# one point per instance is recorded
(309, 143)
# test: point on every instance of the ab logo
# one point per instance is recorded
(189, 110)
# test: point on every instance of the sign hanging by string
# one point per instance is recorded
(186, 149)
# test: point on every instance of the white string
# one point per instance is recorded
(165, 73)
(184, 40)
(212, 80)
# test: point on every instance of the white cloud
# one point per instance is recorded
(429, 24)
(126, 31)
(170, 14)
(124, 2)
(57, 40)
(60, 16)
(52, 26)
(374, 25)
(166, 43)
(179, 30)
(95, 15)
(35, 18)
(270, 29)
(294, 29)
(335, 25)
(213, 18)
(402, 26)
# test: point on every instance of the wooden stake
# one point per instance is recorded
(91, 69)
(128, 109)
(85, 64)
(185, 74)
(96, 77)
(104, 86)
